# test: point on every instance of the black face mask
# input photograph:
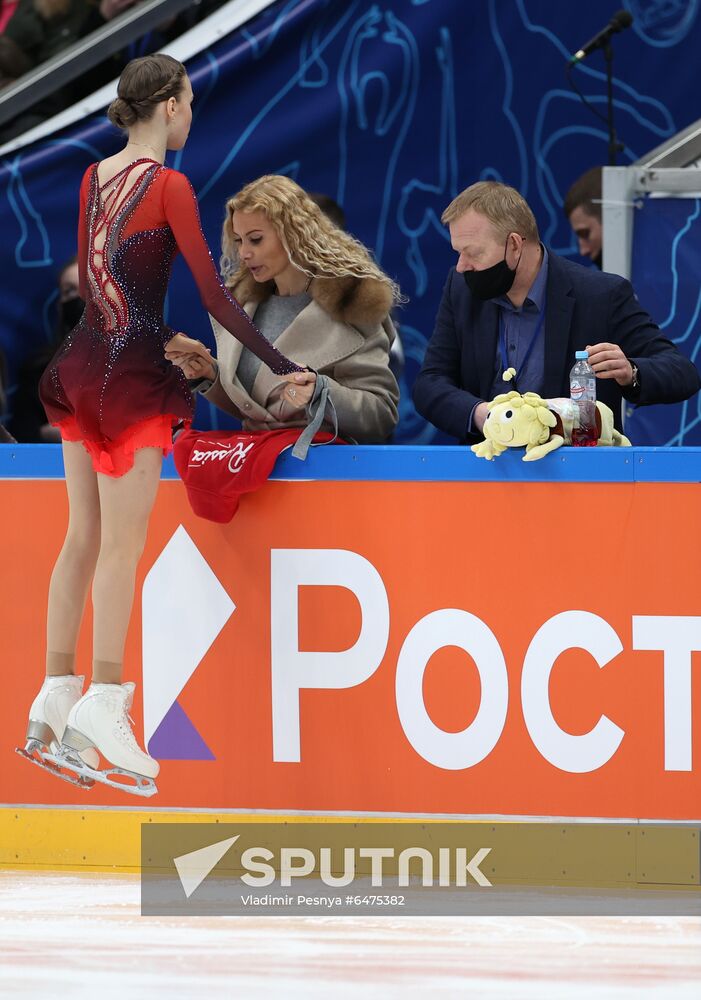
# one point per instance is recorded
(70, 312)
(492, 281)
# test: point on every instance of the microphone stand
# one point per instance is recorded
(614, 146)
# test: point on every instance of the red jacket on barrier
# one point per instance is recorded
(217, 468)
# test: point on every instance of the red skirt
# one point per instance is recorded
(116, 457)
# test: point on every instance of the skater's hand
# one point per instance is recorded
(609, 361)
(195, 366)
(180, 344)
(299, 389)
(181, 348)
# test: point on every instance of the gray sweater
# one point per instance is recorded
(272, 317)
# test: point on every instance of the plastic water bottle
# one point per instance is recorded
(583, 393)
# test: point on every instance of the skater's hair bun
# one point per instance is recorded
(121, 113)
(145, 83)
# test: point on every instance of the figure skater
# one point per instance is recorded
(116, 400)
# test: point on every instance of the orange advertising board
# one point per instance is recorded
(513, 649)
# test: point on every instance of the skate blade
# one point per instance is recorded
(144, 787)
(36, 756)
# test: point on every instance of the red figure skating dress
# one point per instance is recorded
(109, 384)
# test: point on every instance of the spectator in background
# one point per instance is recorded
(29, 423)
(313, 291)
(40, 29)
(13, 62)
(7, 9)
(5, 436)
(333, 211)
(582, 207)
(3, 383)
(197, 11)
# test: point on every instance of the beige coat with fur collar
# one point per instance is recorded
(344, 333)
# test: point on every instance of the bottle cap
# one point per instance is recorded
(581, 355)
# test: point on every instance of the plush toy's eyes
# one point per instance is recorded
(488, 415)
(508, 415)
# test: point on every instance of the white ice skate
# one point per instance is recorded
(47, 722)
(100, 720)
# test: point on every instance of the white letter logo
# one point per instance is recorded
(452, 627)
(569, 630)
(292, 669)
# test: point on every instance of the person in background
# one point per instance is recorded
(335, 213)
(7, 9)
(197, 11)
(331, 209)
(582, 206)
(39, 30)
(28, 422)
(315, 292)
(3, 384)
(5, 436)
(512, 307)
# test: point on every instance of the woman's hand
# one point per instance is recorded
(191, 356)
(299, 389)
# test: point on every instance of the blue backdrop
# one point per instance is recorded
(392, 108)
(666, 270)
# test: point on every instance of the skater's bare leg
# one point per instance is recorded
(125, 508)
(76, 562)
(68, 589)
(99, 721)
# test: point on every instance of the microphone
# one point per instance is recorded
(620, 20)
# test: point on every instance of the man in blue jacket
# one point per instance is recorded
(510, 304)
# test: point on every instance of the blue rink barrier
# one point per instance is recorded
(397, 463)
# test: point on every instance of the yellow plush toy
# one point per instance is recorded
(542, 425)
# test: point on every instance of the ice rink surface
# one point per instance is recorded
(81, 936)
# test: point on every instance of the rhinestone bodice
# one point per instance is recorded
(110, 372)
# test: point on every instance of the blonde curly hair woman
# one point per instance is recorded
(315, 292)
